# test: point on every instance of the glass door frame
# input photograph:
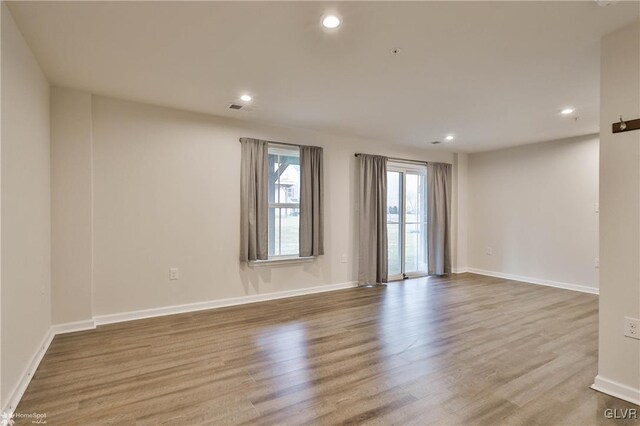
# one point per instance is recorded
(403, 169)
(396, 168)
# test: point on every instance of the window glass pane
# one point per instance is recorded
(273, 166)
(416, 198)
(290, 237)
(411, 240)
(422, 198)
(394, 248)
(284, 174)
(274, 231)
(288, 184)
(421, 252)
(394, 193)
(415, 259)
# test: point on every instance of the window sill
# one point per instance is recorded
(281, 261)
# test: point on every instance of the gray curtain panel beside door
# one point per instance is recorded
(311, 201)
(372, 201)
(254, 204)
(439, 218)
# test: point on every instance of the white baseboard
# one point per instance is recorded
(460, 270)
(25, 378)
(212, 304)
(71, 327)
(616, 389)
(538, 281)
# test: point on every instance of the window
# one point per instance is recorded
(284, 200)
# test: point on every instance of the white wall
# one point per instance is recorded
(460, 228)
(535, 206)
(26, 207)
(71, 191)
(165, 194)
(619, 356)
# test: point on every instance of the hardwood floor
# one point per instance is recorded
(444, 351)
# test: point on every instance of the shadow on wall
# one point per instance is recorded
(252, 277)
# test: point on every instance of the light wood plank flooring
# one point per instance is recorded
(444, 351)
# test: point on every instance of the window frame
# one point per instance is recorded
(406, 169)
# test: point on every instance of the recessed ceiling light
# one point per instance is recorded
(449, 137)
(331, 21)
(246, 98)
(567, 111)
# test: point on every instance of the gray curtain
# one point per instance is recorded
(254, 205)
(439, 218)
(311, 201)
(372, 259)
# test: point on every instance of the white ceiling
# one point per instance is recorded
(494, 74)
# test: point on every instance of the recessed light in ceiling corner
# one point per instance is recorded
(449, 137)
(246, 98)
(567, 111)
(331, 21)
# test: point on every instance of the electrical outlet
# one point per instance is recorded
(343, 259)
(489, 251)
(596, 262)
(173, 274)
(632, 327)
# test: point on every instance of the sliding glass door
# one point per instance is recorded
(406, 220)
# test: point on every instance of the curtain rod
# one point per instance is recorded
(403, 160)
(277, 143)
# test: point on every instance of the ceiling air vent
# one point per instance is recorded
(436, 142)
(235, 106)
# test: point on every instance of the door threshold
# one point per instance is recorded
(408, 277)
